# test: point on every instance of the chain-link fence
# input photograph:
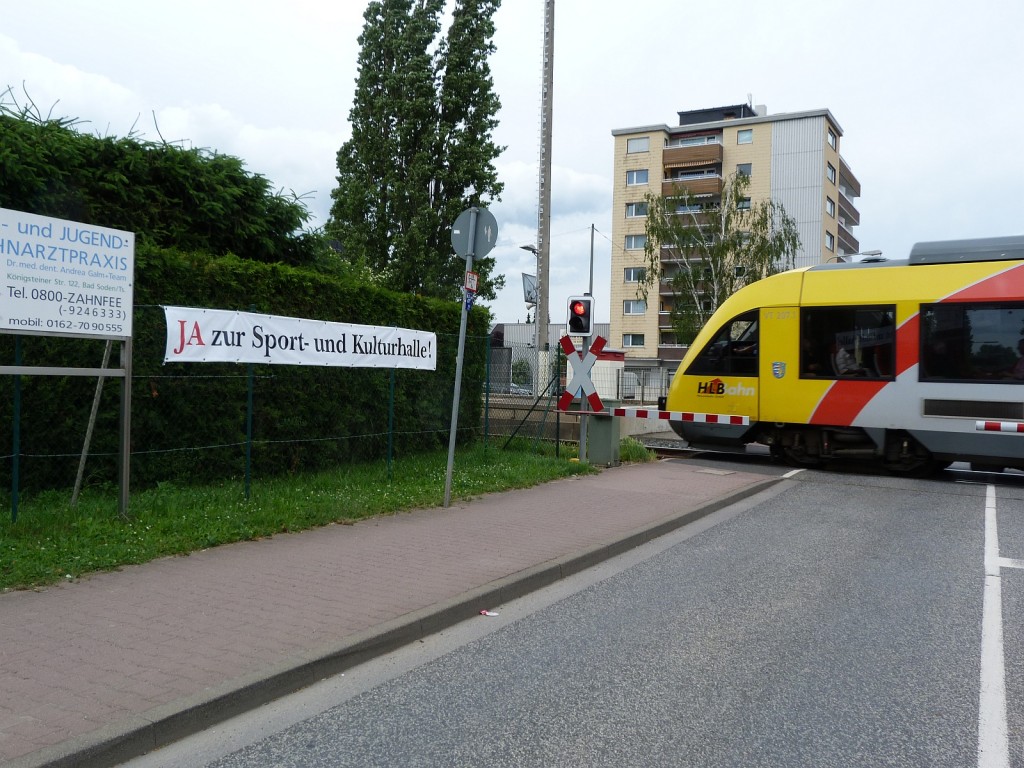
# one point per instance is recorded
(203, 422)
(207, 421)
(524, 386)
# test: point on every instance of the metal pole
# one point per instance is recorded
(16, 435)
(584, 409)
(591, 291)
(487, 392)
(584, 403)
(91, 426)
(250, 384)
(544, 189)
(126, 424)
(458, 361)
(391, 420)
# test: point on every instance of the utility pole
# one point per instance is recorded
(544, 192)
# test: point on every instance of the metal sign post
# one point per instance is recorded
(474, 233)
(68, 279)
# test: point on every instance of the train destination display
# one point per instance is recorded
(65, 278)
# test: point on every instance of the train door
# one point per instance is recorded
(722, 379)
(782, 398)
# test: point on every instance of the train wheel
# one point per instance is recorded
(908, 458)
(797, 457)
(791, 449)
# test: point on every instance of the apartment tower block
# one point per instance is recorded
(793, 159)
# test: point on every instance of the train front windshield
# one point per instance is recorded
(732, 352)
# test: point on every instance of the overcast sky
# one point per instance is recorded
(925, 93)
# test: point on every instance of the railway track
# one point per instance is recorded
(667, 449)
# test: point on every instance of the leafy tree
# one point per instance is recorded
(421, 149)
(720, 249)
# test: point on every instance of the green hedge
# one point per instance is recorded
(189, 420)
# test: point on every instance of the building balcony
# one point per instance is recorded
(672, 351)
(847, 211)
(847, 242)
(708, 185)
(847, 179)
(693, 156)
(698, 217)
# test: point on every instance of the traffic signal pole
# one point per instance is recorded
(580, 322)
(584, 403)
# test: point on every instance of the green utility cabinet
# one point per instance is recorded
(603, 440)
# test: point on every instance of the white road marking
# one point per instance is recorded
(993, 744)
(791, 473)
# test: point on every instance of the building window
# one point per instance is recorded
(830, 241)
(693, 141)
(634, 178)
(847, 342)
(831, 173)
(830, 207)
(638, 145)
(632, 340)
(743, 204)
(634, 307)
(634, 274)
(635, 209)
(745, 136)
(635, 242)
(743, 169)
(831, 138)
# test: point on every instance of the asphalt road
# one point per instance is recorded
(836, 620)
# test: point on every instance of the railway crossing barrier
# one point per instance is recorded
(700, 418)
(605, 428)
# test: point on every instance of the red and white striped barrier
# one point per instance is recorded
(700, 418)
(1000, 426)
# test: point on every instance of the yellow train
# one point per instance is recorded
(915, 363)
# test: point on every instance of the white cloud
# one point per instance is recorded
(921, 90)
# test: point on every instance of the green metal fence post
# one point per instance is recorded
(250, 376)
(391, 419)
(487, 392)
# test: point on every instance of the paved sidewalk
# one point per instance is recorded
(96, 672)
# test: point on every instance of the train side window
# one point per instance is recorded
(975, 342)
(851, 342)
(732, 352)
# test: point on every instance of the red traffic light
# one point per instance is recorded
(581, 316)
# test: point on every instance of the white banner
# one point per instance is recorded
(220, 336)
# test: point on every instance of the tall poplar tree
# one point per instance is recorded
(421, 148)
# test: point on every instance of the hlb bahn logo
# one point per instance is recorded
(719, 387)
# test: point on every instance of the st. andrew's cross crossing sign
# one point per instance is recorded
(581, 366)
